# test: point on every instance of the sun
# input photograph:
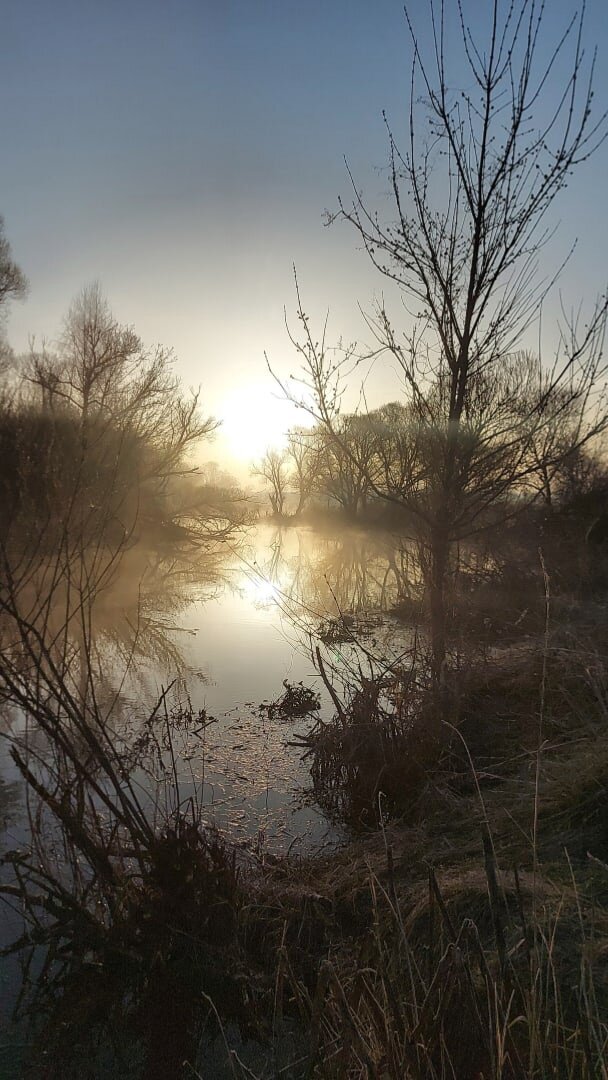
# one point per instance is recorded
(254, 419)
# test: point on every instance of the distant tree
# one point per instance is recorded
(136, 428)
(13, 282)
(582, 473)
(209, 500)
(7, 373)
(304, 455)
(113, 429)
(348, 462)
(102, 372)
(470, 199)
(562, 429)
(211, 474)
(273, 468)
(400, 456)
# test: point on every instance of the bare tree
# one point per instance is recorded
(102, 370)
(13, 283)
(471, 193)
(133, 424)
(12, 279)
(273, 468)
(305, 456)
(563, 427)
(348, 462)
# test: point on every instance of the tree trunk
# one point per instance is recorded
(439, 560)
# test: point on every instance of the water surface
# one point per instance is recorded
(220, 638)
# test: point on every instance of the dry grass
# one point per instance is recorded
(480, 977)
(470, 938)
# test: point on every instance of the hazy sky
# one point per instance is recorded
(183, 153)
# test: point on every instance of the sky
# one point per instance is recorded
(183, 154)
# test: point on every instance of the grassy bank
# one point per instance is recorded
(474, 933)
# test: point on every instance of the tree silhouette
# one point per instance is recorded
(471, 193)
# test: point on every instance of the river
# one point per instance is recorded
(225, 635)
(216, 640)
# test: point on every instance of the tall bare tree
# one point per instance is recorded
(471, 194)
(102, 371)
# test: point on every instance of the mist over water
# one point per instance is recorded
(217, 638)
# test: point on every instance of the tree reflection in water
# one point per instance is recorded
(107, 776)
(338, 589)
(117, 645)
(332, 574)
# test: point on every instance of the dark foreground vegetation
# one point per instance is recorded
(462, 932)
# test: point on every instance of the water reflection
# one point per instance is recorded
(105, 629)
(330, 574)
(226, 630)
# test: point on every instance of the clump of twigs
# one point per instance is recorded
(296, 701)
(348, 628)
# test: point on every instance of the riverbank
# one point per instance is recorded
(462, 931)
(471, 937)
(467, 937)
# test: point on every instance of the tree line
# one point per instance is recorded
(97, 437)
(521, 440)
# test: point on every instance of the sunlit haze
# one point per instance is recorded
(183, 155)
(304, 539)
(254, 417)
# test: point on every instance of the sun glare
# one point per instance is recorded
(254, 420)
(260, 591)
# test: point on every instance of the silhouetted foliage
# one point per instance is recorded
(98, 441)
(470, 195)
(12, 279)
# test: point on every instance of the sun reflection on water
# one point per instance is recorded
(260, 591)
